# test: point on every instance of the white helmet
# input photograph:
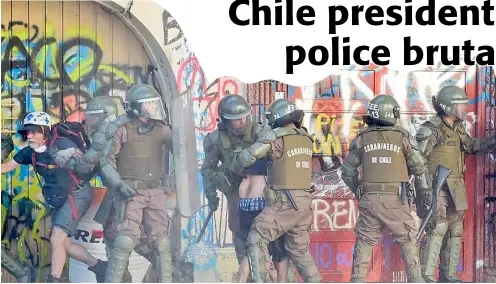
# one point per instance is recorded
(37, 119)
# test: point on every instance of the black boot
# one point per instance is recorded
(51, 279)
(99, 270)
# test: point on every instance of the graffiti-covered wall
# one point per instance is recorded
(56, 57)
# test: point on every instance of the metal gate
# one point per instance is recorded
(486, 173)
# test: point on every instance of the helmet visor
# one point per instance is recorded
(239, 126)
(460, 110)
(152, 108)
(94, 118)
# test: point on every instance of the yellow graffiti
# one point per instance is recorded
(27, 235)
(355, 126)
(327, 145)
(48, 53)
(29, 86)
(117, 72)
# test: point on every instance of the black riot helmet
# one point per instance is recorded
(232, 108)
(283, 112)
(382, 110)
(451, 101)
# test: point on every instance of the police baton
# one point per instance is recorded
(204, 227)
(290, 197)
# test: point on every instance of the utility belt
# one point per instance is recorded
(165, 181)
(274, 195)
(402, 189)
(391, 188)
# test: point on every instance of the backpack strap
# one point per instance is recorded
(77, 182)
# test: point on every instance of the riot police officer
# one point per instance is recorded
(388, 155)
(102, 120)
(289, 149)
(235, 131)
(22, 274)
(444, 141)
(137, 153)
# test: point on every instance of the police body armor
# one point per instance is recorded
(451, 155)
(293, 170)
(229, 145)
(141, 162)
(383, 158)
(140, 158)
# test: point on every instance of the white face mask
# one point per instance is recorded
(40, 149)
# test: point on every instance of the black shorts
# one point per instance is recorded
(276, 248)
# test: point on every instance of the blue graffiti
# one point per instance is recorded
(291, 91)
(387, 251)
(325, 257)
(202, 255)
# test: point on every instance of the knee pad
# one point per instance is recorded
(456, 229)
(240, 247)
(440, 229)
(163, 245)
(124, 243)
(256, 239)
(144, 250)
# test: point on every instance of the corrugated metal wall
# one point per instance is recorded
(262, 94)
(490, 180)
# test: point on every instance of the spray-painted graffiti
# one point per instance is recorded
(40, 71)
(190, 75)
(331, 255)
(205, 101)
(58, 70)
(337, 214)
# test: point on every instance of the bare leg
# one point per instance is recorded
(58, 251)
(244, 271)
(282, 270)
(79, 253)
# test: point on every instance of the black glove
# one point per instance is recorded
(213, 201)
(126, 191)
(424, 204)
(489, 143)
(7, 146)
